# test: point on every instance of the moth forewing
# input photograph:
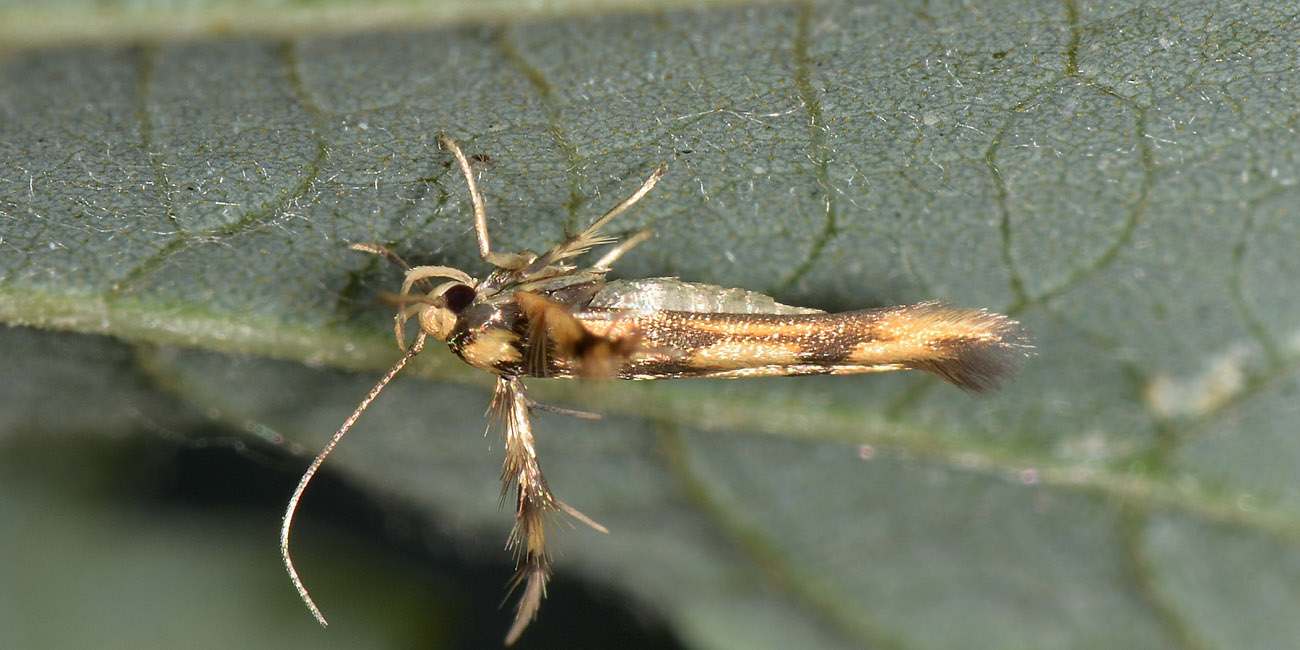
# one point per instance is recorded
(541, 316)
(689, 329)
(971, 348)
(672, 294)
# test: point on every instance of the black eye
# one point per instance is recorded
(459, 297)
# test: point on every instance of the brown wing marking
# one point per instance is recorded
(556, 337)
(971, 348)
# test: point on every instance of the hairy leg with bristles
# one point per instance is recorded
(502, 260)
(607, 260)
(581, 415)
(316, 463)
(631, 200)
(535, 506)
(534, 503)
(583, 241)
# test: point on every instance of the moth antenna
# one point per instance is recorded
(307, 476)
(418, 277)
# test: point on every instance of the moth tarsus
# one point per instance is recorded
(543, 316)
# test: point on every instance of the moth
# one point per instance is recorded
(546, 316)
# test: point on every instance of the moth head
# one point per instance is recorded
(445, 305)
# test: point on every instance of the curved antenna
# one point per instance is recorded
(415, 348)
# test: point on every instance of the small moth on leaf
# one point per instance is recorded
(544, 316)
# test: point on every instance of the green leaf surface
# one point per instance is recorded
(1119, 177)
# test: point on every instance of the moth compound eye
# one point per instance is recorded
(446, 304)
(437, 321)
(458, 297)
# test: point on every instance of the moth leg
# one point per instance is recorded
(581, 415)
(583, 241)
(501, 260)
(535, 506)
(555, 335)
(622, 207)
(607, 260)
(475, 199)
(573, 512)
(383, 252)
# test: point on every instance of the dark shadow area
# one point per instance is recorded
(224, 473)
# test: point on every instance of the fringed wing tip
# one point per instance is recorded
(981, 361)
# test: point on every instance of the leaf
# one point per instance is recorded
(1120, 177)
